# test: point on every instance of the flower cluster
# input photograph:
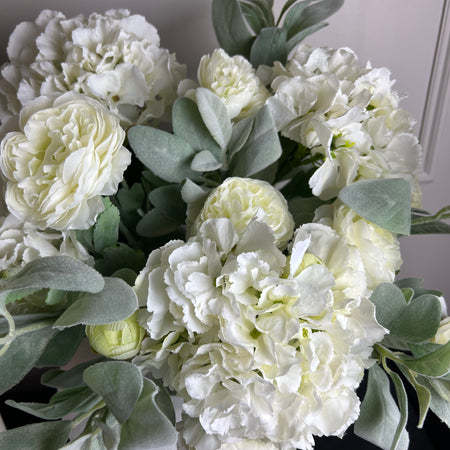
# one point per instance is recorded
(115, 58)
(243, 256)
(324, 100)
(260, 345)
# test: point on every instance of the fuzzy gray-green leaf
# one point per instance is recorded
(167, 156)
(115, 302)
(215, 116)
(269, 46)
(385, 202)
(261, 149)
(230, 27)
(119, 383)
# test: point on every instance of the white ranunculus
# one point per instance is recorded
(265, 350)
(244, 199)
(115, 58)
(67, 156)
(233, 79)
(347, 116)
(379, 248)
(21, 243)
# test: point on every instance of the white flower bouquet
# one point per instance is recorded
(227, 245)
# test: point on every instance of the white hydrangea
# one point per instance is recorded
(346, 115)
(68, 154)
(263, 348)
(245, 199)
(379, 248)
(21, 243)
(234, 80)
(115, 58)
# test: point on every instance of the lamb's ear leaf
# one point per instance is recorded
(215, 116)
(147, 426)
(115, 302)
(49, 435)
(119, 383)
(261, 149)
(385, 202)
(166, 155)
(379, 415)
(21, 356)
(230, 27)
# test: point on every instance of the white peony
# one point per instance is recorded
(264, 348)
(243, 200)
(379, 248)
(233, 79)
(67, 156)
(347, 117)
(21, 243)
(115, 58)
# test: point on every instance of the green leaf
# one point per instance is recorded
(205, 161)
(188, 124)
(147, 427)
(215, 116)
(402, 400)
(386, 202)
(116, 258)
(389, 302)
(230, 27)
(416, 285)
(132, 198)
(115, 302)
(298, 37)
(71, 378)
(418, 321)
(316, 13)
(379, 416)
(436, 227)
(294, 16)
(77, 399)
(254, 16)
(303, 209)
(269, 46)
(166, 155)
(119, 383)
(438, 404)
(155, 223)
(168, 199)
(22, 355)
(261, 149)
(261, 8)
(44, 435)
(62, 347)
(106, 229)
(435, 364)
(56, 272)
(239, 135)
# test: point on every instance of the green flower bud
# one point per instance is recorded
(117, 340)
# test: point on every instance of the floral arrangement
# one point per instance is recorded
(227, 244)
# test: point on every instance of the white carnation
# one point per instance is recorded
(233, 79)
(243, 200)
(271, 349)
(67, 156)
(21, 243)
(347, 116)
(115, 57)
